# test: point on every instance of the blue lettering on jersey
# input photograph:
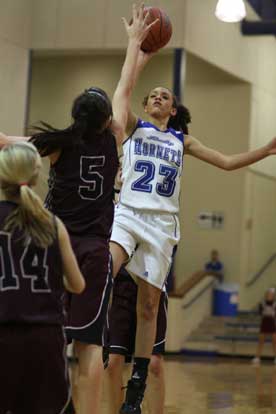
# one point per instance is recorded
(174, 156)
(160, 152)
(138, 146)
(154, 138)
(152, 150)
(166, 154)
(157, 151)
(145, 148)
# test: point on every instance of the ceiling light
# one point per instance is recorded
(230, 11)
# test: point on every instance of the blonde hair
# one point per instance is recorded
(19, 169)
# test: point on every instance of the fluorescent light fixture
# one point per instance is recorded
(230, 11)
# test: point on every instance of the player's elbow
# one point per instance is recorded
(230, 167)
(79, 286)
(226, 164)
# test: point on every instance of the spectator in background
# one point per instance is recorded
(215, 265)
(268, 324)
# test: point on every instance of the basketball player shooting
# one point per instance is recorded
(146, 225)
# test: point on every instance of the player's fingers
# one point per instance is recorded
(141, 11)
(146, 18)
(125, 23)
(134, 11)
(152, 24)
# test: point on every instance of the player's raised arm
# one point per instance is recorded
(6, 139)
(11, 139)
(228, 162)
(73, 279)
(137, 31)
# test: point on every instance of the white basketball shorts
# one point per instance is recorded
(149, 239)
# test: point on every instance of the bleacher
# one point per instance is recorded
(229, 336)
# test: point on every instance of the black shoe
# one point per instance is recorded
(134, 397)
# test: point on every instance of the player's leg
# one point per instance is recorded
(123, 238)
(155, 393)
(73, 406)
(148, 298)
(260, 346)
(151, 267)
(114, 382)
(119, 256)
(86, 320)
(150, 262)
(90, 376)
(120, 336)
(147, 309)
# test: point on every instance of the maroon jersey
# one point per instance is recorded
(81, 186)
(31, 278)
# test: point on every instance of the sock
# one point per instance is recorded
(140, 369)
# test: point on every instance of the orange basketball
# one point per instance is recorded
(160, 33)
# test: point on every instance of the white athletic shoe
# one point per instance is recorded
(256, 361)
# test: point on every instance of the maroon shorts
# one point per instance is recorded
(268, 325)
(121, 328)
(33, 369)
(86, 313)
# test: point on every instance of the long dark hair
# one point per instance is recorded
(90, 112)
(181, 120)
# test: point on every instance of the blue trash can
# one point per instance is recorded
(225, 300)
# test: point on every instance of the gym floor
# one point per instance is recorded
(219, 386)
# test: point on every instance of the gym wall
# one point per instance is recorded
(15, 39)
(78, 27)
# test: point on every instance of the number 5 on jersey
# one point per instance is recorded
(92, 179)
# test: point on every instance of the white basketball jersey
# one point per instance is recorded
(152, 168)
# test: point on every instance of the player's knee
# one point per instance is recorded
(114, 365)
(156, 366)
(147, 310)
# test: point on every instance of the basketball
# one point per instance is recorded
(160, 34)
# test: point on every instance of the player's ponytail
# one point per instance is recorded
(19, 169)
(91, 113)
(180, 121)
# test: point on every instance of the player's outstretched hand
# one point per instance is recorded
(138, 28)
